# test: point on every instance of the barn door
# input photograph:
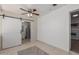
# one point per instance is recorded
(11, 32)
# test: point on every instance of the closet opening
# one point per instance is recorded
(75, 31)
(26, 32)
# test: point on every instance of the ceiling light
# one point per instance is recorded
(29, 14)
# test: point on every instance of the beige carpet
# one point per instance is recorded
(32, 51)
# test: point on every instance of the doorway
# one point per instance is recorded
(26, 32)
(75, 31)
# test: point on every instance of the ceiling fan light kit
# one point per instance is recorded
(29, 12)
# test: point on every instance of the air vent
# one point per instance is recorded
(54, 4)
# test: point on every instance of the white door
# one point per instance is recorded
(11, 32)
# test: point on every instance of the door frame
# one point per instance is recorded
(30, 30)
(70, 28)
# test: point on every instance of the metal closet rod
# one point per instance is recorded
(15, 17)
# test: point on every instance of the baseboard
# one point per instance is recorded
(73, 53)
(53, 46)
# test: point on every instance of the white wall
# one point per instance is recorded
(34, 30)
(54, 28)
(0, 30)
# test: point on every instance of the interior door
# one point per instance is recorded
(11, 32)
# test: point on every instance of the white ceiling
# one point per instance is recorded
(42, 9)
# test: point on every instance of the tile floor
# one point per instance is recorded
(47, 48)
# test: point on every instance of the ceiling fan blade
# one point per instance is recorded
(35, 14)
(34, 10)
(24, 13)
(23, 9)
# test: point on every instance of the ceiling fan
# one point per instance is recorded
(29, 12)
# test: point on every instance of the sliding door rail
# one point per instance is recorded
(15, 17)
